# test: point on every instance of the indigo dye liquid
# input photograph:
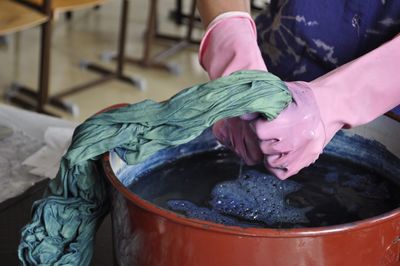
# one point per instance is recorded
(206, 186)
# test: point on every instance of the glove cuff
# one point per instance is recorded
(230, 44)
(227, 15)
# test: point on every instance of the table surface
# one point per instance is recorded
(28, 137)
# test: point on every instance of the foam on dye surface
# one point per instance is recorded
(255, 197)
(331, 191)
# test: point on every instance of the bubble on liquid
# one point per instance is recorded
(191, 210)
(255, 196)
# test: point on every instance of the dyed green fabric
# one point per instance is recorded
(64, 223)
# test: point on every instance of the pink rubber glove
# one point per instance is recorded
(352, 95)
(349, 96)
(221, 53)
(229, 45)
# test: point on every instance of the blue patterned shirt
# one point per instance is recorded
(304, 39)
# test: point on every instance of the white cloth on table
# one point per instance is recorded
(28, 137)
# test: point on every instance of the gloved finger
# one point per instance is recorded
(236, 135)
(253, 152)
(221, 132)
(291, 160)
(251, 156)
(287, 166)
(279, 171)
(250, 116)
(280, 161)
(306, 161)
(266, 130)
(245, 143)
(272, 146)
(282, 174)
(268, 148)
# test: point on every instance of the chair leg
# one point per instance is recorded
(37, 100)
(4, 40)
(106, 74)
(155, 61)
(192, 19)
(122, 38)
(69, 15)
(183, 43)
(44, 72)
(179, 15)
(146, 60)
(151, 29)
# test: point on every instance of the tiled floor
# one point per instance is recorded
(86, 36)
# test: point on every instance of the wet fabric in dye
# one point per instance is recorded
(64, 223)
(255, 198)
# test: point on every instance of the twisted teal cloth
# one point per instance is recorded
(65, 221)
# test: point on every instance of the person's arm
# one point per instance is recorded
(352, 95)
(210, 9)
(230, 42)
(229, 45)
(363, 89)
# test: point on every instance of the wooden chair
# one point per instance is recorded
(55, 8)
(15, 17)
(148, 60)
(66, 6)
(63, 6)
(152, 33)
(106, 74)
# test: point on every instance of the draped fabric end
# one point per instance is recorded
(64, 222)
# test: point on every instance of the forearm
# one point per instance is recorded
(229, 45)
(210, 9)
(363, 89)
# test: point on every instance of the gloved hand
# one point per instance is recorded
(221, 53)
(351, 95)
(286, 144)
(236, 134)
